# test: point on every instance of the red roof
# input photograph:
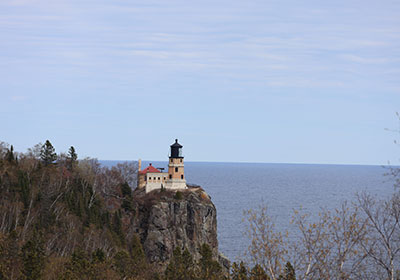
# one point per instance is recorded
(149, 169)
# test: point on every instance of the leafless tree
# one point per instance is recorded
(34, 152)
(3, 149)
(267, 247)
(128, 171)
(382, 244)
(326, 247)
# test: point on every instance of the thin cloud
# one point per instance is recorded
(364, 60)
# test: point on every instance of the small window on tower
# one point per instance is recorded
(170, 160)
(158, 178)
(170, 176)
(176, 169)
(181, 176)
(181, 160)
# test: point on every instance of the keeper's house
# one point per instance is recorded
(152, 178)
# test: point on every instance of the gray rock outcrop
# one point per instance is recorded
(165, 220)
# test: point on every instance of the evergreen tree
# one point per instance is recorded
(126, 191)
(48, 153)
(10, 154)
(180, 266)
(33, 258)
(23, 187)
(78, 267)
(123, 264)
(72, 157)
(290, 274)
(239, 272)
(136, 250)
(209, 269)
(98, 256)
(117, 226)
(258, 273)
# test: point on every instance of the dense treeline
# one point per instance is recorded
(64, 218)
(61, 218)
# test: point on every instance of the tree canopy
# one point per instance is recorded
(48, 153)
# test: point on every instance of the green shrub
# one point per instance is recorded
(178, 195)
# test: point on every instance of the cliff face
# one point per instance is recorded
(165, 220)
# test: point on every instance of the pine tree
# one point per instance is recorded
(258, 273)
(136, 250)
(239, 272)
(78, 267)
(126, 190)
(290, 273)
(117, 226)
(98, 256)
(123, 264)
(209, 268)
(48, 153)
(33, 258)
(72, 157)
(180, 266)
(10, 154)
(127, 203)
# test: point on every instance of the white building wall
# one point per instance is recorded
(175, 184)
(155, 180)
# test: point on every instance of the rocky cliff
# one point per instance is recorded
(166, 219)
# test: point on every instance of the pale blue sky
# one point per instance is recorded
(256, 81)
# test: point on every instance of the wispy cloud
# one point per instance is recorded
(364, 60)
(241, 62)
(221, 39)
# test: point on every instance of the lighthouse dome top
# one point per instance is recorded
(176, 144)
(176, 150)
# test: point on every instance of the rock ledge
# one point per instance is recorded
(165, 220)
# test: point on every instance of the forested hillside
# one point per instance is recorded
(64, 218)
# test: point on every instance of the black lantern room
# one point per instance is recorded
(176, 150)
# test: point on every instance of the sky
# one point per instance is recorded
(235, 81)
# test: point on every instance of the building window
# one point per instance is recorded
(176, 169)
(181, 160)
(181, 176)
(170, 176)
(159, 178)
(170, 160)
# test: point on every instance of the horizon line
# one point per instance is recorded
(387, 165)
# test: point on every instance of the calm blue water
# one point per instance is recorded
(235, 187)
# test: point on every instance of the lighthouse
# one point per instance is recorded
(152, 178)
(176, 171)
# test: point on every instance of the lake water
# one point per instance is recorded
(235, 187)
